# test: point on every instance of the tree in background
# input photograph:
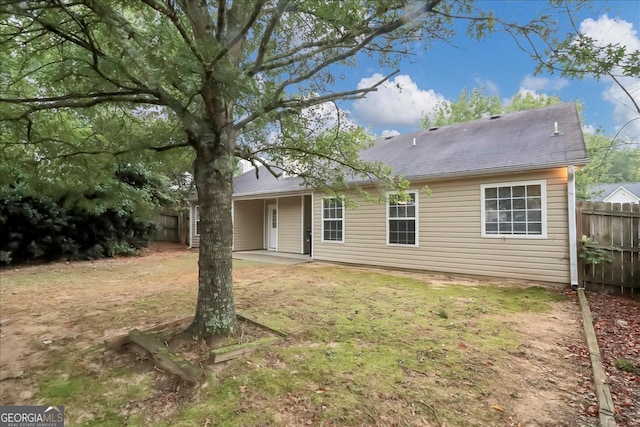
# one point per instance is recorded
(578, 56)
(91, 158)
(478, 104)
(527, 101)
(469, 106)
(230, 79)
(608, 163)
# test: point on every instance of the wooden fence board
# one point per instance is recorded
(616, 228)
(172, 225)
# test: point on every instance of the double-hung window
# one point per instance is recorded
(515, 209)
(402, 219)
(333, 220)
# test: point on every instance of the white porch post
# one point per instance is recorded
(302, 223)
(190, 225)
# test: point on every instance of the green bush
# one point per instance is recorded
(41, 228)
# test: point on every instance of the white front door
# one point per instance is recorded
(272, 227)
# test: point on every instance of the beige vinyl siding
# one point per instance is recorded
(195, 238)
(290, 224)
(248, 225)
(450, 233)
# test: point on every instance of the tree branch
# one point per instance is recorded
(84, 103)
(624, 89)
(268, 32)
(294, 105)
(222, 10)
(52, 99)
(173, 17)
(321, 45)
(112, 153)
(240, 35)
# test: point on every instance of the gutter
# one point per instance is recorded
(413, 178)
(271, 194)
(483, 172)
(573, 237)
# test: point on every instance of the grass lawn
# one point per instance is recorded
(364, 347)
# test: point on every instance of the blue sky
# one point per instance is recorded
(496, 63)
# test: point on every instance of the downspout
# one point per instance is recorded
(573, 238)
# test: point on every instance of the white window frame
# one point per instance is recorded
(196, 222)
(323, 219)
(543, 208)
(416, 218)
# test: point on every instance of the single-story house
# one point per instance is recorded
(501, 203)
(621, 192)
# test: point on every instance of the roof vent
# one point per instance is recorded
(433, 128)
(389, 136)
(494, 116)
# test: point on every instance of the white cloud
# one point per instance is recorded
(387, 133)
(623, 109)
(606, 30)
(590, 129)
(533, 85)
(398, 102)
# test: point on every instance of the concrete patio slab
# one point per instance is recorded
(270, 257)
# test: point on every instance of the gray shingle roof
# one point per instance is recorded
(247, 184)
(523, 140)
(601, 191)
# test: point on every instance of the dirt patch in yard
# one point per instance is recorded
(59, 308)
(545, 383)
(93, 304)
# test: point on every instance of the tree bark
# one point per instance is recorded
(215, 310)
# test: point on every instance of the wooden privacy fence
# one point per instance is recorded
(171, 225)
(613, 228)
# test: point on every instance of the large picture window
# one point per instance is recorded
(332, 220)
(514, 209)
(402, 219)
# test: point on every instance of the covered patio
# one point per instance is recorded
(272, 257)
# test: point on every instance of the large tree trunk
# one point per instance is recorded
(215, 311)
(213, 168)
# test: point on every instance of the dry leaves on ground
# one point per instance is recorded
(616, 321)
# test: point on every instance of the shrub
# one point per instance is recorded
(41, 228)
(592, 254)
